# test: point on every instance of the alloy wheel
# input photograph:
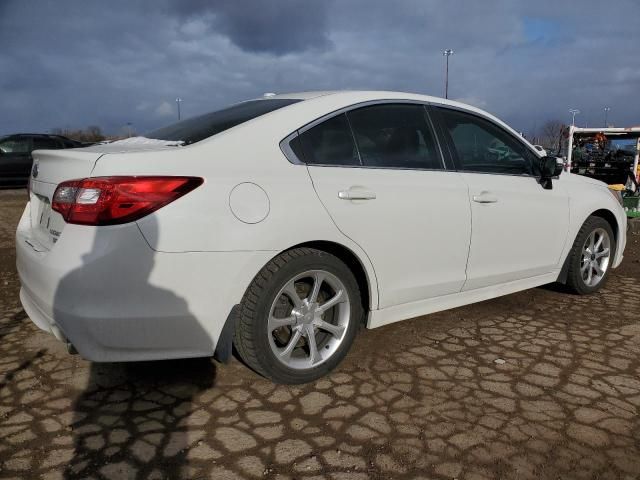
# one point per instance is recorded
(596, 255)
(308, 319)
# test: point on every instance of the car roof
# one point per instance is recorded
(360, 96)
(299, 95)
(353, 97)
(39, 135)
(32, 135)
(372, 95)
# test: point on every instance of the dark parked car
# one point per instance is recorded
(15, 154)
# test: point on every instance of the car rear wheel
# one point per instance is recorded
(299, 316)
(591, 256)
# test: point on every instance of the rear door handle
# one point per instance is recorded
(485, 197)
(356, 195)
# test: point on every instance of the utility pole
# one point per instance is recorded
(447, 53)
(606, 114)
(178, 101)
(573, 112)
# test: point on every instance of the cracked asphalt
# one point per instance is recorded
(539, 384)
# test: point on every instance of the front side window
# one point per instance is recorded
(328, 143)
(394, 136)
(482, 146)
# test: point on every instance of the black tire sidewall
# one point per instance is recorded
(575, 277)
(317, 260)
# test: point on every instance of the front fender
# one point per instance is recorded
(589, 197)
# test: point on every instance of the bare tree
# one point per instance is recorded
(92, 133)
(551, 134)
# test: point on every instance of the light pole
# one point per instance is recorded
(178, 101)
(129, 129)
(447, 53)
(606, 114)
(573, 112)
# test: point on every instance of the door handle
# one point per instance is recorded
(485, 197)
(356, 195)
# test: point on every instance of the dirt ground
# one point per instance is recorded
(425, 398)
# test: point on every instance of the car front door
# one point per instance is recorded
(519, 229)
(378, 171)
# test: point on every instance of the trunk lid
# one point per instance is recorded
(50, 168)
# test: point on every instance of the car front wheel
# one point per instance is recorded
(591, 256)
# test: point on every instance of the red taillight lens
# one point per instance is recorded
(116, 200)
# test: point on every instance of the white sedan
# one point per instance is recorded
(281, 224)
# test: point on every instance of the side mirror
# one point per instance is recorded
(549, 168)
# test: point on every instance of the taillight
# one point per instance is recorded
(116, 200)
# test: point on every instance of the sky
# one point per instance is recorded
(75, 63)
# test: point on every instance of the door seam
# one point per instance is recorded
(466, 268)
(343, 233)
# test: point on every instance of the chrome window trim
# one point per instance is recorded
(293, 158)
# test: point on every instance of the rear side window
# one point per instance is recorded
(482, 146)
(329, 143)
(198, 128)
(45, 143)
(394, 136)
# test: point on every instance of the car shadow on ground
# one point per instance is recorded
(133, 419)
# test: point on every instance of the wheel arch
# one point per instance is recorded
(351, 259)
(606, 215)
(610, 218)
(366, 282)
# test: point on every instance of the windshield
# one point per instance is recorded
(626, 144)
(198, 128)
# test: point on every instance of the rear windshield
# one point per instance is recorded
(198, 128)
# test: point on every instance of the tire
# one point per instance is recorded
(582, 277)
(275, 333)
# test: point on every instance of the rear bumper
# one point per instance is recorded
(115, 299)
(38, 317)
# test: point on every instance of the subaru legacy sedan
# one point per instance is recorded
(281, 225)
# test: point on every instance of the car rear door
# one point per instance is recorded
(378, 171)
(519, 229)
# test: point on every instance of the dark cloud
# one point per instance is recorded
(76, 63)
(276, 27)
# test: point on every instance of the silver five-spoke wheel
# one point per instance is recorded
(308, 319)
(595, 257)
